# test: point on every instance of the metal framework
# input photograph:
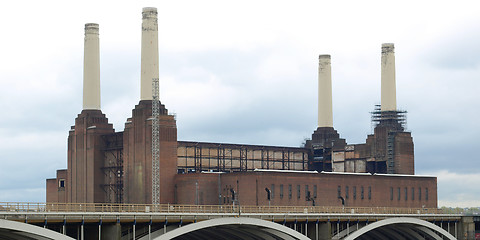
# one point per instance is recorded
(113, 167)
(394, 121)
(204, 156)
(391, 153)
(155, 143)
(397, 120)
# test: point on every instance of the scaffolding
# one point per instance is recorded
(219, 157)
(113, 167)
(155, 143)
(395, 120)
(391, 153)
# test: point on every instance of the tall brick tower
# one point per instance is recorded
(325, 139)
(85, 157)
(137, 135)
(390, 146)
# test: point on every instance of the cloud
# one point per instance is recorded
(455, 50)
(31, 195)
(243, 73)
(457, 189)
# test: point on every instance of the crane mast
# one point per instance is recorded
(155, 143)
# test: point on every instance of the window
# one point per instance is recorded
(314, 191)
(354, 192)
(398, 190)
(419, 193)
(307, 195)
(346, 192)
(61, 183)
(391, 193)
(298, 191)
(406, 193)
(281, 191)
(369, 193)
(413, 193)
(339, 191)
(426, 194)
(289, 191)
(272, 189)
(361, 192)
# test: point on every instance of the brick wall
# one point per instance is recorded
(86, 158)
(290, 189)
(137, 155)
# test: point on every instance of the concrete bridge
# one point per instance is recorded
(135, 221)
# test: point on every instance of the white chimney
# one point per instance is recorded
(91, 68)
(389, 96)
(325, 118)
(149, 65)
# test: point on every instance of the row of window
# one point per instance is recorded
(354, 192)
(412, 195)
(313, 195)
(308, 195)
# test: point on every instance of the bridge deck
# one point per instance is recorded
(89, 212)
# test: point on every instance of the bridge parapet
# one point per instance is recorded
(221, 209)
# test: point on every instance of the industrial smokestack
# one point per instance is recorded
(91, 68)
(149, 66)
(325, 118)
(389, 96)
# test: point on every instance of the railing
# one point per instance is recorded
(207, 209)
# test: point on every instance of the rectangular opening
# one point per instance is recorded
(306, 193)
(281, 191)
(61, 183)
(272, 189)
(289, 191)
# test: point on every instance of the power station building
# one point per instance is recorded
(105, 166)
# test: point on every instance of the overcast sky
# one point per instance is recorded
(244, 72)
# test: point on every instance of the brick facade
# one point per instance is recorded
(92, 143)
(291, 189)
(137, 154)
(85, 157)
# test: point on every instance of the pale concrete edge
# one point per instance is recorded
(391, 221)
(32, 229)
(230, 221)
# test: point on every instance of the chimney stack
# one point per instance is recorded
(149, 65)
(325, 118)
(91, 68)
(389, 96)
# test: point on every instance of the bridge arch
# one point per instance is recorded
(400, 228)
(233, 228)
(17, 230)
